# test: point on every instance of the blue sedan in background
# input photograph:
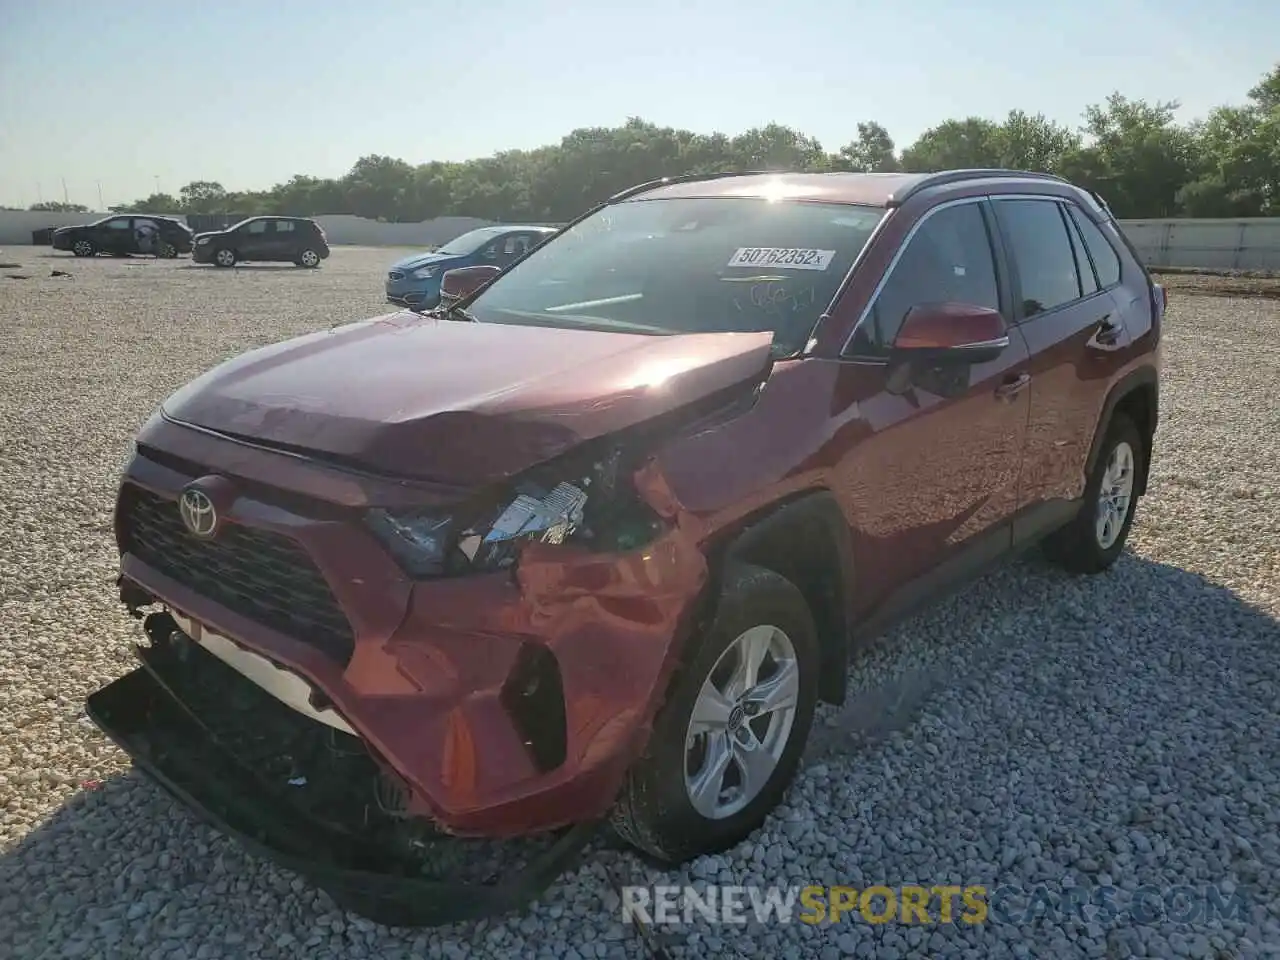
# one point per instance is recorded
(415, 280)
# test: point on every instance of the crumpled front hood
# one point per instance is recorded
(456, 402)
(422, 259)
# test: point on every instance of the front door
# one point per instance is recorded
(929, 481)
(116, 235)
(1072, 325)
(254, 240)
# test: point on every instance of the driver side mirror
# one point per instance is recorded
(463, 281)
(951, 333)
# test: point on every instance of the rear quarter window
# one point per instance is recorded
(1105, 259)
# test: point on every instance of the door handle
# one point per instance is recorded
(1013, 386)
(1108, 332)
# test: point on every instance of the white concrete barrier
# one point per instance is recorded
(1247, 244)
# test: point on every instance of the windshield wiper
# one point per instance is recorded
(454, 312)
(457, 313)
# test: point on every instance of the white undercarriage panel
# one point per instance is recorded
(289, 688)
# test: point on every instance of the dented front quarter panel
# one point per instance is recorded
(614, 623)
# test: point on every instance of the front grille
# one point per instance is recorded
(396, 275)
(262, 576)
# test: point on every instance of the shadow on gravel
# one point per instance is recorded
(120, 869)
(241, 266)
(871, 715)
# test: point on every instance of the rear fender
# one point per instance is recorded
(1144, 380)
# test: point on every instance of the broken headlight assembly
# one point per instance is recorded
(590, 509)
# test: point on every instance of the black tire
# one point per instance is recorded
(84, 248)
(224, 257)
(166, 251)
(1077, 547)
(653, 812)
(308, 258)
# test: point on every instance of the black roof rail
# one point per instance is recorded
(684, 178)
(944, 177)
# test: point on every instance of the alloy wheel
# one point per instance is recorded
(1114, 495)
(741, 722)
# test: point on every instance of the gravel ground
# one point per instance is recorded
(1122, 730)
(1237, 284)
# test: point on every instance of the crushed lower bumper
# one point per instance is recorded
(215, 742)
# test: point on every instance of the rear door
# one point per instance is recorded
(282, 239)
(1076, 339)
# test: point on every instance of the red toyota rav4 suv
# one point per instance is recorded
(596, 538)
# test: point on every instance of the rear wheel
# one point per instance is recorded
(166, 251)
(726, 744)
(1095, 538)
(84, 248)
(224, 257)
(308, 258)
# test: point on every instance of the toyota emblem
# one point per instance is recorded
(198, 513)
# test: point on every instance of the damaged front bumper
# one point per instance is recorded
(508, 703)
(307, 796)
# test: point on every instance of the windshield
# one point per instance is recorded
(469, 243)
(688, 266)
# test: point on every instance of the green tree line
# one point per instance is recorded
(1133, 152)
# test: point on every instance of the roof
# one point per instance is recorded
(506, 227)
(874, 189)
(870, 189)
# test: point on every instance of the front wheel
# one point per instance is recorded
(309, 259)
(224, 258)
(726, 745)
(1093, 541)
(83, 248)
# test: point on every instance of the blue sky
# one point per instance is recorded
(249, 92)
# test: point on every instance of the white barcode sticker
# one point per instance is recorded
(787, 258)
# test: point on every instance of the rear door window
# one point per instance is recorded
(1084, 266)
(1040, 246)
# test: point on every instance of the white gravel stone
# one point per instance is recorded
(1036, 729)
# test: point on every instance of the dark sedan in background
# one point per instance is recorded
(124, 234)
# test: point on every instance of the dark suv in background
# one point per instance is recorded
(595, 539)
(296, 240)
(121, 235)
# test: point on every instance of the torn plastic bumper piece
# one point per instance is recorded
(167, 740)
